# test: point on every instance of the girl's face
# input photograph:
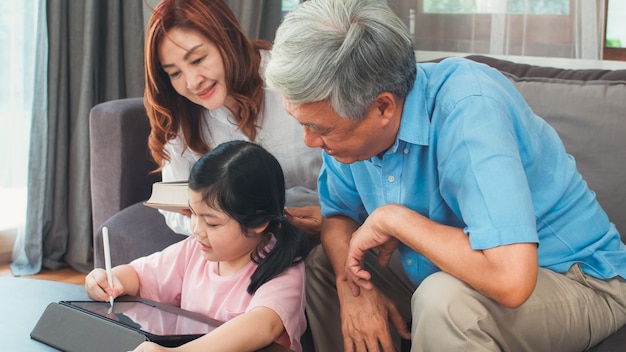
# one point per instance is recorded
(195, 68)
(220, 236)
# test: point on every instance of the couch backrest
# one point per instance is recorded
(588, 110)
(120, 159)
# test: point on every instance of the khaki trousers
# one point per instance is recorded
(566, 312)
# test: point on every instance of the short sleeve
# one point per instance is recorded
(161, 274)
(285, 295)
(482, 176)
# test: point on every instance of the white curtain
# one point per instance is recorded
(550, 28)
(19, 22)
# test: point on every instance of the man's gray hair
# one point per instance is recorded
(344, 51)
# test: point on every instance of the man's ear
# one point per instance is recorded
(385, 105)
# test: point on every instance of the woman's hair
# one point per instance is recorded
(344, 51)
(171, 113)
(247, 183)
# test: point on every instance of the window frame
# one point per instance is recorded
(430, 37)
(611, 53)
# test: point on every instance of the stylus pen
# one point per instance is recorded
(107, 259)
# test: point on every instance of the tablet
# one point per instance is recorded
(163, 324)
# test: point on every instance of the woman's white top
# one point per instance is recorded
(278, 132)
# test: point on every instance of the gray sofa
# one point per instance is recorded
(587, 108)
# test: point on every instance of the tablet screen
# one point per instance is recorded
(142, 316)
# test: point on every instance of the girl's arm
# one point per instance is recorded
(250, 331)
(125, 281)
(247, 332)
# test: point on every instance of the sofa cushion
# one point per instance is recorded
(588, 110)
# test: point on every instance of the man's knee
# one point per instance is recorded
(440, 296)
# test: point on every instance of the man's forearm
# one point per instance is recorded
(335, 237)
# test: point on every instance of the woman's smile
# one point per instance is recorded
(207, 93)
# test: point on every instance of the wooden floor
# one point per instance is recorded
(62, 275)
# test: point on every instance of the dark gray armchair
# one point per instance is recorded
(121, 179)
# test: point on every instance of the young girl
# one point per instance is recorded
(244, 264)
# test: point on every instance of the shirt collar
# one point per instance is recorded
(415, 123)
(415, 120)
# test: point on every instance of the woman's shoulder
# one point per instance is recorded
(176, 147)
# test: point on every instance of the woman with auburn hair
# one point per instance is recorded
(204, 86)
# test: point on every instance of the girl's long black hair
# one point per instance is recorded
(246, 182)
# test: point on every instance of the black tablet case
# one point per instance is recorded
(71, 330)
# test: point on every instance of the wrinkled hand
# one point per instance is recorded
(365, 320)
(98, 288)
(308, 219)
(368, 236)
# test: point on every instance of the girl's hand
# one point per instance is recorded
(150, 347)
(99, 289)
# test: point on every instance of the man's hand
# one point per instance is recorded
(307, 219)
(370, 235)
(365, 320)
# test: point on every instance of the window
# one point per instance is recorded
(288, 5)
(615, 43)
(535, 7)
(552, 28)
(17, 66)
(615, 27)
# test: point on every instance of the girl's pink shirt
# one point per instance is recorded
(179, 275)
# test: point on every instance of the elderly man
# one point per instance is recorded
(503, 245)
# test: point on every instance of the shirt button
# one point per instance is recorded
(409, 262)
(391, 178)
(406, 151)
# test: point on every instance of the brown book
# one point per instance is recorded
(171, 196)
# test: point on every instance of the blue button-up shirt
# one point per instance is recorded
(471, 153)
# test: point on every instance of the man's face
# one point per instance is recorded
(345, 140)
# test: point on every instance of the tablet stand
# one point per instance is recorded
(71, 330)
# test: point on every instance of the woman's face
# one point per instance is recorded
(195, 68)
(220, 236)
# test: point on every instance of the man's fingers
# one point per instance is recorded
(384, 258)
(357, 277)
(399, 323)
(372, 345)
(348, 345)
(356, 290)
